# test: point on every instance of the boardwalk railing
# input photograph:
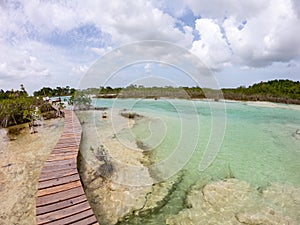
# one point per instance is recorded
(60, 197)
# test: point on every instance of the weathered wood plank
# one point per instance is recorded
(86, 221)
(61, 162)
(60, 205)
(60, 197)
(59, 167)
(61, 158)
(59, 188)
(58, 181)
(49, 175)
(63, 213)
(74, 218)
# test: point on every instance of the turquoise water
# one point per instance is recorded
(259, 146)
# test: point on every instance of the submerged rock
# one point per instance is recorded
(235, 202)
(297, 134)
(267, 217)
(115, 180)
(130, 115)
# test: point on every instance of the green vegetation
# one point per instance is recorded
(80, 100)
(284, 91)
(17, 107)
(58, 91)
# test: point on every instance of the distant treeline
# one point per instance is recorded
(17, 107)
(13, 93)
(283, 91)
(53, 92)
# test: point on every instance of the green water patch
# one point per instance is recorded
(259, 147)
(260, 150)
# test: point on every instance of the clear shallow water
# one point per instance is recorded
(260, 145)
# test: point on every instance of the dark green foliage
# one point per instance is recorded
(80, 101)
(284, 91)
(16, 107)
(13, 94)
(58, 91)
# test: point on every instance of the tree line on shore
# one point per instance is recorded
(52, 92)
(281, 91)
(17, 107)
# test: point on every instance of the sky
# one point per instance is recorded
(55, 42)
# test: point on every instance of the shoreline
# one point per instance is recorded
(250, 103)
(267, 104)
(23, 156)
(279, 100)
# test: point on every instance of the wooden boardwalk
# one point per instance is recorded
(60, 197)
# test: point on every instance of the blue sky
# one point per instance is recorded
(54, 43)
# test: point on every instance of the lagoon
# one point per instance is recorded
(259, 154)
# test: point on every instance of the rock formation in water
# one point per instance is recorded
(236, 202)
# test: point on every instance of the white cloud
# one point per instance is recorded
(212, 48)
(147, 68)
(47, 16)
(254, 36)
(268, 37)
(124, 21)
(29, 26)
(218, 9)
(101, 51)
(135, 20)
(19, 63)
(251, 33)
(81, 69)
(175, 8)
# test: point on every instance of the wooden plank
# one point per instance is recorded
(60, 196)
(59, 188)
(59, 167)
(60, 205)
(89, 220)
(63, 213)
(58, 181)
(62, 150)
(62, 162)
(74, 218)
(49, 175)
(63, 153)
(67, 144)
(61, 158)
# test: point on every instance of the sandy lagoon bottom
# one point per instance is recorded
(22, 157)
(122, 187)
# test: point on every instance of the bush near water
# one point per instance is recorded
(16, 107)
